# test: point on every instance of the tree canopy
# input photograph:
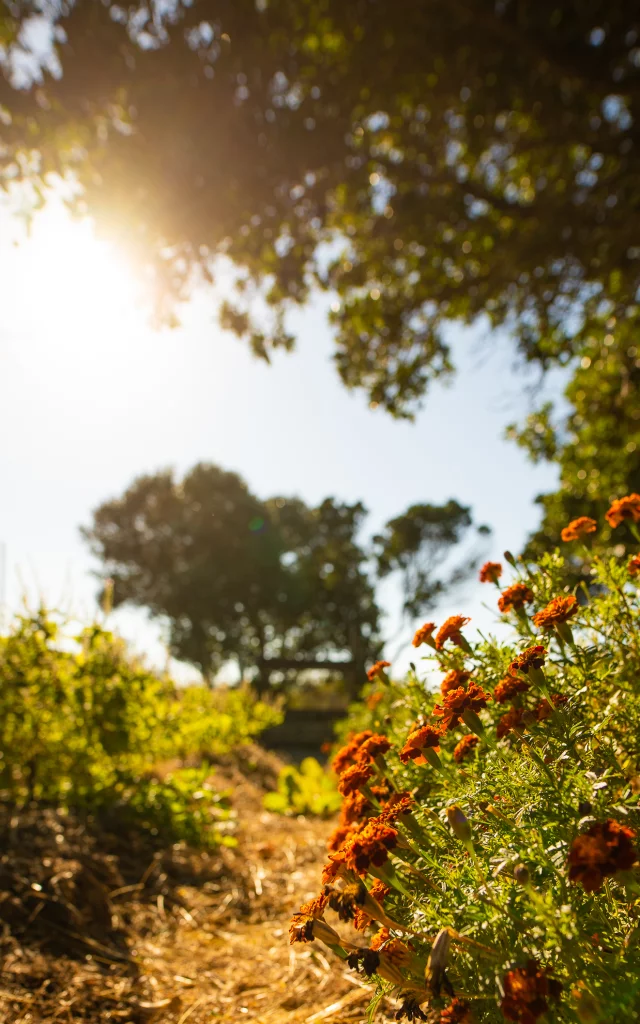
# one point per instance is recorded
(273, 583)
(424, 162)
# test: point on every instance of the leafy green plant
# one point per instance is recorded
(84, 724)
(308, 790)
(489, 834)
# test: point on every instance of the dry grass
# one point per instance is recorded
(124, 934)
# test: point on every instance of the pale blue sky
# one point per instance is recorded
(91, 396)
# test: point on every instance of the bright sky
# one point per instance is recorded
(91, 396)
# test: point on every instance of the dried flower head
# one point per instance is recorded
(418, 739)
(455, 704)
(371, 845)
(454, 678)
(531, 658)
(465, 747)
(490, 572)
(353, 778)
(450, 630)
(410, 1009)
(526, 993)
(512, 721)
(457, 1012)
(508, 688)
(349, 753)
(579, 528)
(559, 610)
(515, 597)
(377, 671)
(624, 508)
(633, 568)
(423, 635)
(375, 746)
(346, 901)
(602, 850)
(366, 960)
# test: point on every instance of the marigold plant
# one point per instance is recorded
(493, 849)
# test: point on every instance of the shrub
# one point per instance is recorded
(488, 842)
(84, 724)
(309, 790)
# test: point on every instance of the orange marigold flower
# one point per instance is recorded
(316, 906)
(579, 528)
(450, 630)
(513, 720)
(398, 952)
(602, 850)
(370, 846)
(419, 738)
(354, 778)
(334, 866)
(543, 710)
(354, 807)
(374, 747)
(465, 747)
(339, 836)
(349, 753)
(377, 670)
(526, 993)
(633, 567)
(515, 597)
(423, 635)
(624, 508)
(531, 658)
(557, 611)
(373, 700)
(301, 927)
(379, 891)
(457, 1012)
(508, 688)
(399, 804)
(455, 703)
(453, 679)
(490, 572)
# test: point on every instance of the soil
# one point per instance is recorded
(102, 927)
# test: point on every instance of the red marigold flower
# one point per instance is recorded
(633, 567)
(399, 804)
(450, 630)
(339, 836)
(515, 597)
(526, 991)
(370, 846)
(377, 669)
(453, 679)
(349, 753)
(531, 658)
(419, 738)
(355, 806)
(579, 528)
(624, 508)
(602, 850)
(508, 688)
(423, 635)
(354, 778)
(543, 710)
(557, 611)
(398, 952)
(490, 572)
(465, 747)
(455, 703)
(513, 720)
(374, 747)
(457, 1012)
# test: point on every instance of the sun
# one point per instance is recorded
(71, 284)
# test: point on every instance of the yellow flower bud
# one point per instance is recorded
(459, 823)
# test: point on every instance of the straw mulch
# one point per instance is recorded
(99, 927)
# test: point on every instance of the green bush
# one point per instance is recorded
(488, 843)
(86, 725)
(310, 790)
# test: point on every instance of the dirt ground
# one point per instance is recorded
(100, 927)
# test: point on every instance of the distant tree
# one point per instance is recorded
(275, 584)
